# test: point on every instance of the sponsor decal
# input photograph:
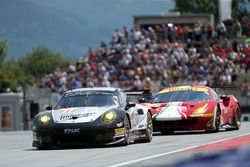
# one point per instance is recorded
(70, 116)
(184, 89)
(140, 126)
(91, 109)
(72, 131)
(67, 110)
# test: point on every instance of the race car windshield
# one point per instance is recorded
(181, 96)
(87, 100)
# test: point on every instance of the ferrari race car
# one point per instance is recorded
(194, 108)
(92, 116)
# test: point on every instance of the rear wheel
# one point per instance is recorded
(149, 130)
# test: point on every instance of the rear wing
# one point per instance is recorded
(139, 96)
(226, 90)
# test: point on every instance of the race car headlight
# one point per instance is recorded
(109, 116)
(201, 109)
(44, 119)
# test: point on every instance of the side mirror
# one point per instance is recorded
(129, 105)
(49, 107)
(225, 99)
(142, 100)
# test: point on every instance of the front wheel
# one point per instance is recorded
(42, 146)
(216, 123)
(126, 131)
(237, 119)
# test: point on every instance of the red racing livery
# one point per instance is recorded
(194, 108)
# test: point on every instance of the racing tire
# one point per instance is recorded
(43, 147)
(217, 123)
(149, 130)
(237, 119)
(126, 131)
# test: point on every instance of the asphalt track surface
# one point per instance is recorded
(164, 150)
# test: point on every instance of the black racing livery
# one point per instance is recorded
(99, 116)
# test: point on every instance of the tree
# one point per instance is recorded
(212, 6)
(42, 61)
(239, 9)
(11, 75)
(32, 67)
(3, 50)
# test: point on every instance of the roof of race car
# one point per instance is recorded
(185, 88)
(94, 88)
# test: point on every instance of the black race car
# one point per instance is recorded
(92, 116)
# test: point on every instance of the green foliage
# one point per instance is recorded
(239, 9)
(11, 75)
(30, 68)
(211, 6)
(198, 6)
(3, 50)
(42, 61)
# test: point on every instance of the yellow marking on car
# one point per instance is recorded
(119, 130)
(208, 115)
(34, 134)
(185, 88)
(152, 105)
(201, 109)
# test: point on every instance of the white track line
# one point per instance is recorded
(172, 152)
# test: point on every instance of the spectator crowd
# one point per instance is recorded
(159, 56)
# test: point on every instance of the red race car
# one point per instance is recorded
(194, 108)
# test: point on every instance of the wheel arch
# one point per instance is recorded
(219, 107)
(238, 106)
(150, 112)
(127, 115)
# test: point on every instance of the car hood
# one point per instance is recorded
(79, 114)
(176, 110)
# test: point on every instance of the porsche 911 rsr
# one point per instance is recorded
(92, 116)
(194, 108)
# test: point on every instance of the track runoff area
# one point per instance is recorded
(177, 150)
(231, 151)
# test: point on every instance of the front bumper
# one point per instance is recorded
(192, 123)
(76, 134)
